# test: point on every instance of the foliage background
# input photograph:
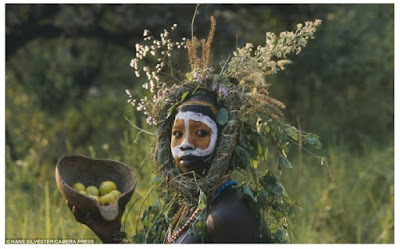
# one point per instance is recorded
(67, 67)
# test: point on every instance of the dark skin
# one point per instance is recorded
(102, 228)
(229, 220)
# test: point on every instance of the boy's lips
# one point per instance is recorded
(188, 157)
(189, 160)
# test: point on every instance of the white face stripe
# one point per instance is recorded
(186, 116)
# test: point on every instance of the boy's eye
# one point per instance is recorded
(202, 133)
(177, 134)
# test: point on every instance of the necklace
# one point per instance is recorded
(222, 187)
(172, 237)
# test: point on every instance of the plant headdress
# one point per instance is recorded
(249, 117)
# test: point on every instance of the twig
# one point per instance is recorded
(160, 213)
(300, 175)
(313, 154)
(147, 194)
(129, 210)
(194, 15)
(140, 129)
(223, 68)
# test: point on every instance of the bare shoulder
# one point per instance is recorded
(230, 220)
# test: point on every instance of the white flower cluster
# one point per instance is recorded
(249, 65)
(294, 42)
(271, 58)
(158, 52)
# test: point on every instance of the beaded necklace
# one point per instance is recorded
(171, 237)
(223, 187)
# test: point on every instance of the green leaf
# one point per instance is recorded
(285, 148)
(189, 76)
(247, 192)
(202, 216)
(255, 143)
(198, 229)
(275, 190)
(262, 197)
(292, 132)
(241, 157)
(283, 136)
(269, 178)
(267, 128)
(222, 116)
(174, 106)
(312, 140)
(254, 163)
(172, 109)
(138, 238)
(279, 234)
(283, 161)
(202, 201)
(184, 95)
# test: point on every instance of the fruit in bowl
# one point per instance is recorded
(92, 190)
(79, 179)
(107, 186)
(107, 194)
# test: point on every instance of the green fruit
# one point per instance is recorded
(107, 199)
(92, 190)
(107, 186)
(115, 193)
(82, 191)
(95, 197)
(78, 186)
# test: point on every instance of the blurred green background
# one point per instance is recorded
(67, 68)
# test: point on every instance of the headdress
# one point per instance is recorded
(248, 116)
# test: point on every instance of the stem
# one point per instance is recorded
(138, 197)
(129, 210)
(313, 154)
(140, 129)
(146, 195)
(300, 176)
(167, 206)
(226, 62)
(194, 15)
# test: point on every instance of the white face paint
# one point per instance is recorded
(177, 151)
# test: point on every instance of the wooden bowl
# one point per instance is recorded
(89, 171)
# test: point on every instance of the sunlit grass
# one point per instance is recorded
(355, 206)
(352, 202)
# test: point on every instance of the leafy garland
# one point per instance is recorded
(251, 120)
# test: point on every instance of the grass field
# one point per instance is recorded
(352, 201)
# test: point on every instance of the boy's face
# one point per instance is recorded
(194, 137)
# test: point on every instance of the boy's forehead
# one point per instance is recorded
(193, 123)
(193, 119)
(179, 122)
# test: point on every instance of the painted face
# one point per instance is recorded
(194, 136)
